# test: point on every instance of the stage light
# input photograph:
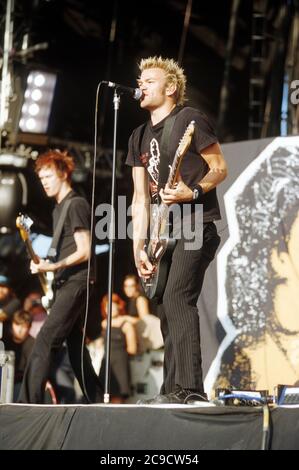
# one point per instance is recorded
(39, 80)
(34, 109)
(15, 160)
(36, 95)
(37, 104)
(13, 196)
(30, 124)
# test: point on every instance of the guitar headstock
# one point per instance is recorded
(186, 139)
(24, 223)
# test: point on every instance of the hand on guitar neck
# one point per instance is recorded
(40, 265)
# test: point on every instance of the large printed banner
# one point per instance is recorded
(249, 307)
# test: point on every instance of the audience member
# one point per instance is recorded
(138, 308)
(33, 304)
(123, 344)
(137, 304)
(16, 338)
(9, 303)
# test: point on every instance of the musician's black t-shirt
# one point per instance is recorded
(144, 151)
(78, 217)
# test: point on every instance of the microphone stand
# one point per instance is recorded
(116, 101)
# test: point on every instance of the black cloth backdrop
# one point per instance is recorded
(106, 427)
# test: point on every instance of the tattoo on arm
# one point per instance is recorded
(213, 178)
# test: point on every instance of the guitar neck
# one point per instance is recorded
(35, 259)
(163, 208)
(31, 252)
(173, 174)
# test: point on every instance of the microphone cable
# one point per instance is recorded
(136, 96)
(93, 186)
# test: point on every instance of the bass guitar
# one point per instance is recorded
(24, 223)
(160, 246)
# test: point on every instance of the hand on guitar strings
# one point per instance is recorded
(179, 193)
(144, 266)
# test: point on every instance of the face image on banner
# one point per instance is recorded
(258, 275)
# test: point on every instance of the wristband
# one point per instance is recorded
(197, 192)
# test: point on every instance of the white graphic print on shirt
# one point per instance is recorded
(153, 164)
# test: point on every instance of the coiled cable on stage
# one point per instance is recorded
(240, 399)
(266, 428)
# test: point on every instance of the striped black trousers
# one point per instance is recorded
(178, 313)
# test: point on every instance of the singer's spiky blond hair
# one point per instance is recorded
(174, 74)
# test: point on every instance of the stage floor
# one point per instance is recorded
(132, 427)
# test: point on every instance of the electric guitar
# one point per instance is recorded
(160, 246)
(24, 223)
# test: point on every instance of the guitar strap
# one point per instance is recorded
(164, 149)
(52, 253)
(164, 154)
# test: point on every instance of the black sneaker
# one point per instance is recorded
(186, 396)
(195, 397)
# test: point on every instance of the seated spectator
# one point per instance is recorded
(123, 344)
(147, 325)
(137, 304)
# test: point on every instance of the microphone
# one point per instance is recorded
(135, 92)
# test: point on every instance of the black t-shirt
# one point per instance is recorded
(78, 217)
(132, 307)
(144, 151)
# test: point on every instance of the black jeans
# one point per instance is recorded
(178, 313)
(63, 323)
